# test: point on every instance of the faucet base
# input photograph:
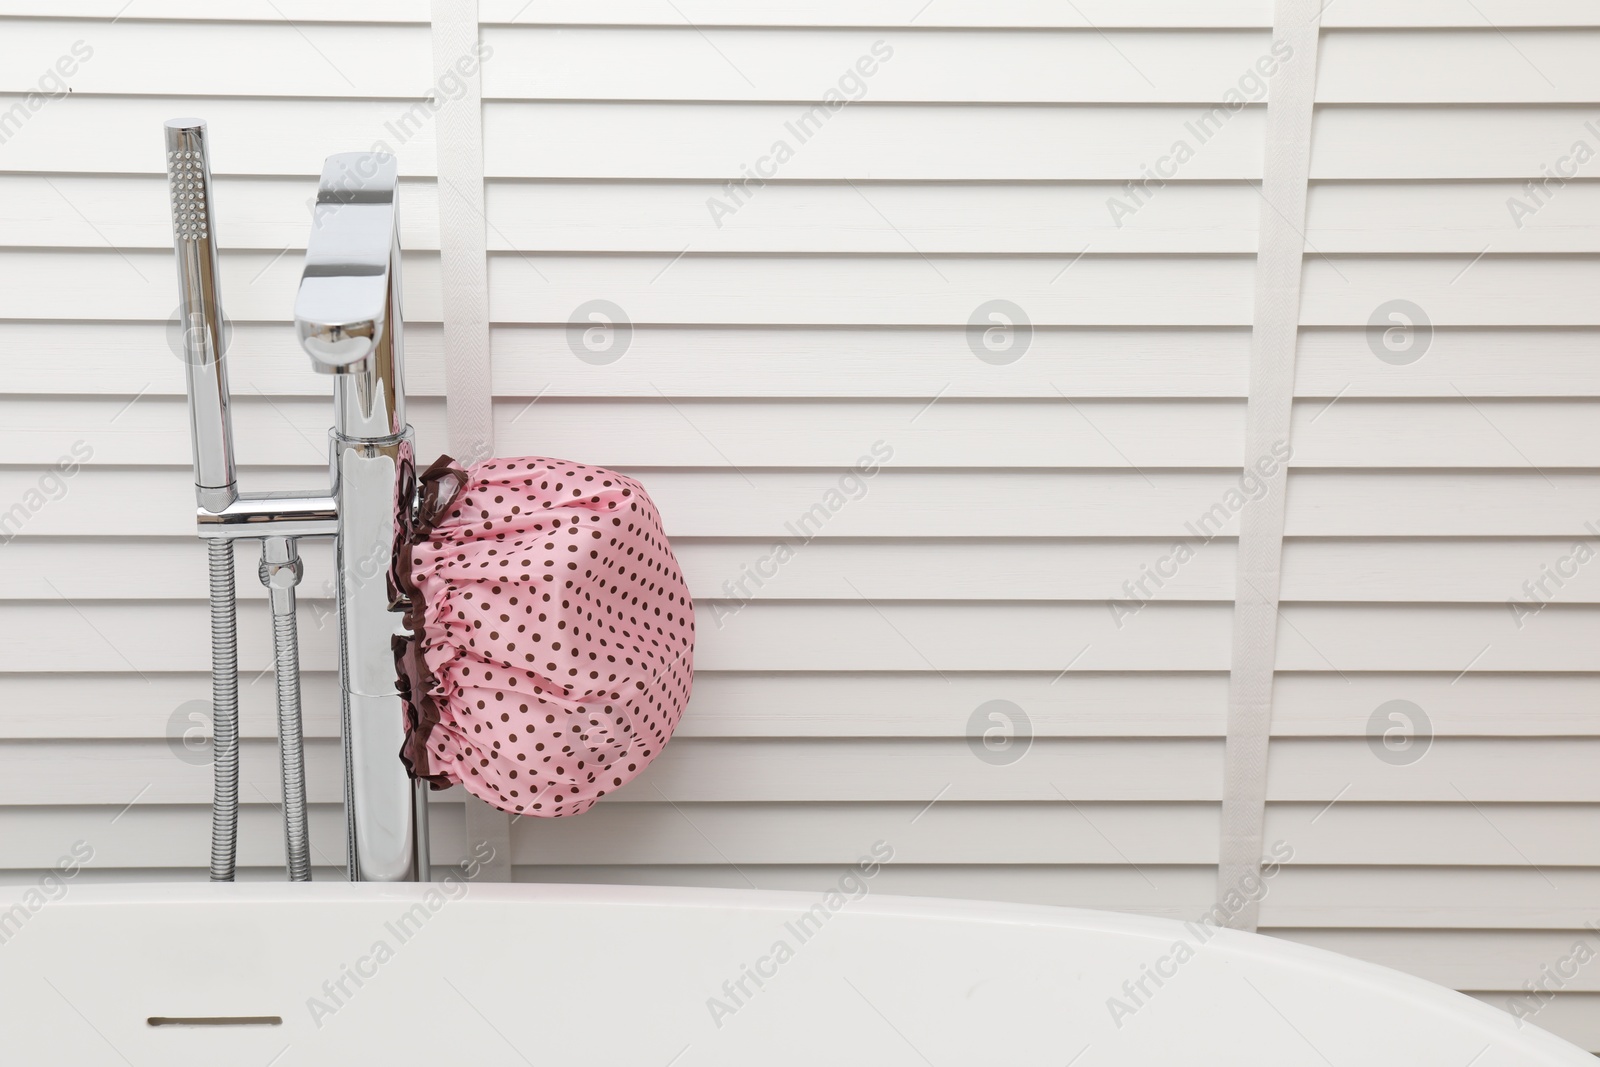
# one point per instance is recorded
(374, 484)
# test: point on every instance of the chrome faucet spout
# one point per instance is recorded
(347, 312)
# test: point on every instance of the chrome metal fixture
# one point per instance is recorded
(211, 433)
(347, 315)
(348, 319)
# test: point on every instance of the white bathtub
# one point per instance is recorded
(646, 977)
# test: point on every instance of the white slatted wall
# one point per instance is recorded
(829, 313)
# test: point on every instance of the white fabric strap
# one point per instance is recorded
(463, 252)
(1285, 171)
(457, 97)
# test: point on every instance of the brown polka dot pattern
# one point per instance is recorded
(554, 635)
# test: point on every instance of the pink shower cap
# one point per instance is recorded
(553, 636)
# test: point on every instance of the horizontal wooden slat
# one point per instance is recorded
(122, 135)
(1471, 14)
(891, 704)
(1088, 834)
(1085, 834)
(1017, 13)
(878, 217)
(713, 141)
(1174, 892)
(1350, 433)
(906, 433)
(694, 834)
(900, 503)
(413, 11)
(1529, 571)
(1452, 290)
(1443, 571)
(82, 211)
(1462, 141)
(1450, 504)
(282, 59)
(1435, 637)
(1021, 14)
(63, 635)
(140, 285)
(157, 842)
(910, 503)
(1355, 432)
(929, 503)
(907, 289)
(725, 704)
(888, 290)
(168, 835)
(716, 569)
(1042, 13)
(686, 62)
(1476, 65)
(160, 704)
(744, 771)
(1518, 839)
(881, 361)
(124, 773)
(1447, 217)
(136, 359)
(882, 217)
(849, 634)
(1453, 770)
(131, 212)
(1448, 898)
(1481, 703)
(1477, 361)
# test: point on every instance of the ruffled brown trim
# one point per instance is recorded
(415, 682)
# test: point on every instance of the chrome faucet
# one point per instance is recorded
(348, 318)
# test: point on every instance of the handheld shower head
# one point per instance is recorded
(211, 434)
(200, 314)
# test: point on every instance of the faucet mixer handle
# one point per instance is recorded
(342, 308)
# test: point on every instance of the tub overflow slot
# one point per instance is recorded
(215, 1020)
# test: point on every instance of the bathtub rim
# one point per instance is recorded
(1264, 949)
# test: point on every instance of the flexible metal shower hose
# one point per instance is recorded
(224, 711)
(352, 862)
(286, 643)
